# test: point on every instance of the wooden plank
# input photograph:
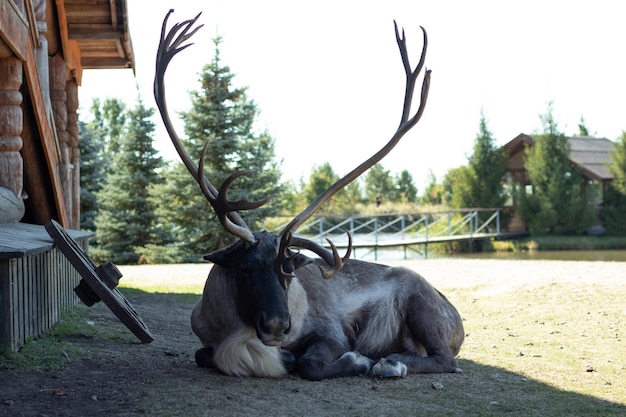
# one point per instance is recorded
(19, 303)
(14, 29)
(5, 327)
(34, 290)
(20, 239)
(106, 33)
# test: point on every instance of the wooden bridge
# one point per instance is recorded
(412, 231)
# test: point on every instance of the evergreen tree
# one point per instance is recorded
(112, 117)
(618, 164)
(480, 183)
(379, 184)
(126, 221)
(488, 166)
(457, 187)
(557, 204)
(323, 177)
(222, 116)
(614, 206)
(93, 161)
(583, 130)
(434, 192)
(405, 186)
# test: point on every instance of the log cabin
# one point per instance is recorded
(44, 47)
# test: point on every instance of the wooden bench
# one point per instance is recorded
(36, 281)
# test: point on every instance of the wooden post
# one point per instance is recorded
(58, 98)
(41, 53)
(72, 136)
(11, 124)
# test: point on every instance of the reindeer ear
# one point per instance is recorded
(218, 257)
(225, 256)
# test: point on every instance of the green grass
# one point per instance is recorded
(553, 243)
(51, 350)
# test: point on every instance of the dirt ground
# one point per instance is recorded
(121, 377)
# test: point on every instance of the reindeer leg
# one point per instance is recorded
(436, 325)
(325, 358)
(322, 361)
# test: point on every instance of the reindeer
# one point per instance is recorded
(267, 310)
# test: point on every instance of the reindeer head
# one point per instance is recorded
(262, 264)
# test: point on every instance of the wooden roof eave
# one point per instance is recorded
(73, 39)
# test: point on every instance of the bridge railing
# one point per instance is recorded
(388, 228)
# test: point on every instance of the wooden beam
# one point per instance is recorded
(47, 133)
(63, 29)
(99, 63)
(93, 34)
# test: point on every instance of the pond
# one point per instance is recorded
(560, 255)
(565, 255)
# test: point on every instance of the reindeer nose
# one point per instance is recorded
(272, 330)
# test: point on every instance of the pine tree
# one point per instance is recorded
(480, 183)
(112, 117)
(222, 116)
(92, 162)
(405, 187)
(126, 221)
(618, 164)
(379, 184)
(614, 206)
(488, 166)
(557, 204)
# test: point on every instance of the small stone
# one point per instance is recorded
(437, 385)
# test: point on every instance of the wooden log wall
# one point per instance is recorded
(11, 122)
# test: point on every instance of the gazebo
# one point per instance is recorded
(589, 155)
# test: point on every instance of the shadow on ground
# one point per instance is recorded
(109, 373)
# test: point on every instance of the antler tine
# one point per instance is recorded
(169, 45)
(406, 124)
(331, 257)
(221, 204)
(338, 260)
(411, 78)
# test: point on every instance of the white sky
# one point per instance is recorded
(328, 79)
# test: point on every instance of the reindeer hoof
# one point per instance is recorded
(388, 368)
(204, 358)
(458, 371)
(288, 360)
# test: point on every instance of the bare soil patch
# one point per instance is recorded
(110, 373)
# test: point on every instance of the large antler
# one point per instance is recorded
(406, 123)
(226, 210)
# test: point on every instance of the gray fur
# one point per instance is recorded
(369, 319)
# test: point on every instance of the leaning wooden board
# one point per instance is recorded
(111, 296)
